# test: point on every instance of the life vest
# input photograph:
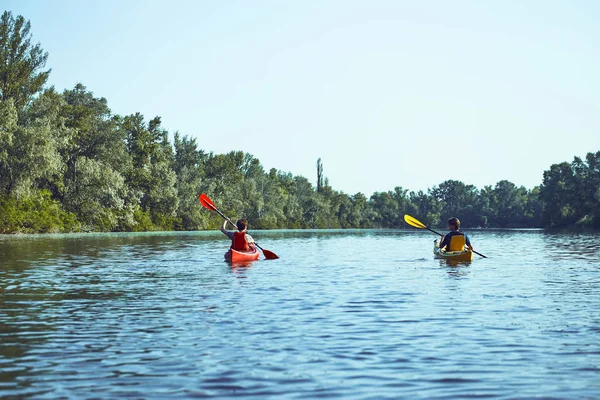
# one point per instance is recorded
(239, 242)
(457, 243)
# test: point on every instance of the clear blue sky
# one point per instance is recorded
(387, 93)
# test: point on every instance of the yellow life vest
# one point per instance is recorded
(457, 243)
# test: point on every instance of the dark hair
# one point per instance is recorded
(241, 224)
(454, 221)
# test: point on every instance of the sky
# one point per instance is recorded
(386, 93)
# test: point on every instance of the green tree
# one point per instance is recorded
(458, 199)
(487, 206)
(558, 193)
(30, 154)
(151, 178)
(533, 208)
(189, 169)
(274, 198)
(592, 187)
(426, 207)
(96, 162)
(570, 193)
(361, 215)
(21, 62)
(386, 209)
(224, 179)
(510, 204)
(319, 175)
(8, 127)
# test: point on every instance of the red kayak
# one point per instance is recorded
(241, 256)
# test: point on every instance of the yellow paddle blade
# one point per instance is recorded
(413, 221)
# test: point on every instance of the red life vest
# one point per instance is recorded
(239, 242)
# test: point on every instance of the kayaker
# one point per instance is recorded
(240, 240)
(455, 240)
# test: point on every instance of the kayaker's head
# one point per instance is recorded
(454, 224)
(242, 224)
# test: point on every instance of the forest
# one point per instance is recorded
(68, 164)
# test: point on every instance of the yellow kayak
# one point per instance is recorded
(465, 255)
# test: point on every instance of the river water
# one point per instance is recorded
(341, 314)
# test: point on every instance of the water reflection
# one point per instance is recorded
(578, 245)
(240, 269)
(453, 263)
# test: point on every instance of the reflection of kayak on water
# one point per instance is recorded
(464, 255)
(241, 256)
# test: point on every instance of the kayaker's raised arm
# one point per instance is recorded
(224, 227)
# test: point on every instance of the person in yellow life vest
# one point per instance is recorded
(240, 240)
(455, 240)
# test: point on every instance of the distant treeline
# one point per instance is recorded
(67, 163)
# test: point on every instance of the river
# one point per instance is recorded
(354, 314)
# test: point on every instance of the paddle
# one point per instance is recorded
(208, 203)
(418, 224)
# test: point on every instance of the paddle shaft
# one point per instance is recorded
(222, 215)
(431, 230)
(263, 250)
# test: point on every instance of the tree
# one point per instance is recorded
(99, 197)
(319, 175)
(426, 206)
(533, 208)
(188, 166)
(559, 195)
(21, 62)
(387, 209)
(510, 204)
(151, 177)
(592, 187)
(570, 193)
(8, 126)
(361, 215)
(29, 153)
(458, 199)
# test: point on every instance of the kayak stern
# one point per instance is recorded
(465, 255)
(242, 256)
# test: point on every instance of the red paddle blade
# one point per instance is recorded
(207, 202)
(269, 255)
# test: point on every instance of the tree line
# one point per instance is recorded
(68, 164)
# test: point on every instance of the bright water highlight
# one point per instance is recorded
(341, 314)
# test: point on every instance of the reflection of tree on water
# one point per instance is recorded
(44, 281)
(24, 321)
(571, 245)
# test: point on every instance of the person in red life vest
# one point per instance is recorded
(240, 240)
(455, 240)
